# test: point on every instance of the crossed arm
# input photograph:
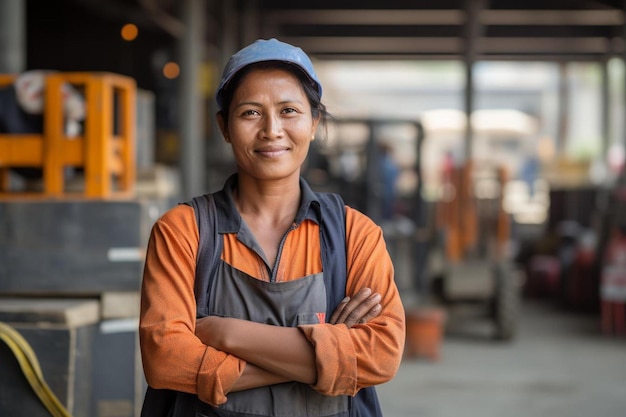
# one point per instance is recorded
(276, 354)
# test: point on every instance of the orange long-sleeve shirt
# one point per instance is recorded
(347, 359)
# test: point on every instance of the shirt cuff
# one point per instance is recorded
(224, 371)
(335, 358)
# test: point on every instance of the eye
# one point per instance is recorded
(250, 112)
(289, 110)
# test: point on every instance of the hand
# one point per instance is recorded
(208, 330)
(359, 309)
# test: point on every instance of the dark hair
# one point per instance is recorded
(318, 109)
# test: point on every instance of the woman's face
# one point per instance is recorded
(270, 125)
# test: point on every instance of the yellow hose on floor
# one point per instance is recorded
(30, 367)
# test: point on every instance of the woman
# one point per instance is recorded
(266, 348)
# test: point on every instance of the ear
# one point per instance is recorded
(222, 124)
(316, 123)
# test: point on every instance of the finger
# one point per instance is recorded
(353, 303)
(371, 314)
(338, 310)
(363, 311)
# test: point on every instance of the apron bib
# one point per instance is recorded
(289, 304)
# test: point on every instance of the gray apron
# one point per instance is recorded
(292, 303)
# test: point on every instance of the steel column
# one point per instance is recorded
(472, 32)
(192, 109)
(12, 36)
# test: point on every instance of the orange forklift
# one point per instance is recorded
(473, 236)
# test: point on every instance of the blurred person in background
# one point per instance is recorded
(389, 173)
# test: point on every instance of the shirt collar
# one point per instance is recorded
(229, 219)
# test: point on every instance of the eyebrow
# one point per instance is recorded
(254, 103)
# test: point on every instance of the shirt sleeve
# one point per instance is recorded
(173, 357)
(366, 354)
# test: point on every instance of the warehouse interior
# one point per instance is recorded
(504, 122)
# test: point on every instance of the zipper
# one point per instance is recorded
(280, 252)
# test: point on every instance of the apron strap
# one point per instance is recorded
(209, 250)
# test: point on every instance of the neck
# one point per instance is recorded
(271, 201)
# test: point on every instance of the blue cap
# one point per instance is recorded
(267, 50)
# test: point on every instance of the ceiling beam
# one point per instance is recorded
(352, 44)
(366, 17)
(455, 45)
(572, 45)
(446, 17)
(455, 57)
(552, 17)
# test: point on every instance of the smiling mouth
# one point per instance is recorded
(271, 153)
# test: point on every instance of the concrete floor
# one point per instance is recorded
(558, 366)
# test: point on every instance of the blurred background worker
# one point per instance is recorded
(389, 172)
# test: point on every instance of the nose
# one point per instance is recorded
(272, 127)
